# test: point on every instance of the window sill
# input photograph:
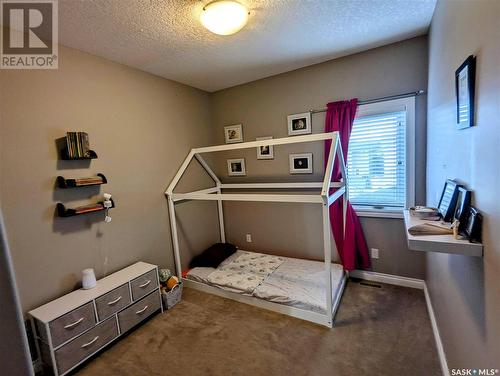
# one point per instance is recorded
(374, 213)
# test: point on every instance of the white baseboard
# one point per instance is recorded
(437, 336)
(389, 279)
(413, 283)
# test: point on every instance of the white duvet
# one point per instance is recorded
(245, 272)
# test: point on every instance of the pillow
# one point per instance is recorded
(213, 256)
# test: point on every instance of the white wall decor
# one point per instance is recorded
(267, 151)
(301, 163)
(233, 133)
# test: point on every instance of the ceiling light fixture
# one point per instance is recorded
(224, 17)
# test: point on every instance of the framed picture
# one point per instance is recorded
(265, 152)
(462, 208)
(448, 200)
(301, 163)
(299, 124)
(236, 167)
(473, 225)
(465, 79)
(233, 133)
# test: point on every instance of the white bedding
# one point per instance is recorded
(296, 282)
(245, 272)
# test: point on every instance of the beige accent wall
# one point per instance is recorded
(141, 126)
(465, 291)
(262, 107)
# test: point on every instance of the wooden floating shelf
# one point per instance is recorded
(439, 243)
(77, 183)
(64, 212)
(65, 157)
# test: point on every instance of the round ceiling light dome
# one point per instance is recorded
(224, 17)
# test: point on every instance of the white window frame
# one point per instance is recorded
(394, 105)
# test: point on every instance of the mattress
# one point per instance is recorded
(296, 282)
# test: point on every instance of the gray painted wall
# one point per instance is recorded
(262, 107)
(141, 126)
(465, 291)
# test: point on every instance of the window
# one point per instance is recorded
(380, 162)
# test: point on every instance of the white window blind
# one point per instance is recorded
(376, 161)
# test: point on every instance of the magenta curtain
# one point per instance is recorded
(352, 248)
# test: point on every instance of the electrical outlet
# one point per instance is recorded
(249, 238)
(374, 253)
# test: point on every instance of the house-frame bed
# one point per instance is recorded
(326, 197)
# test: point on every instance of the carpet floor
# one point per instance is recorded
(378, 331)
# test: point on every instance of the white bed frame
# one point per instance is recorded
(323, 198)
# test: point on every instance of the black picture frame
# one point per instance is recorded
(473, 225)
(465, 83)
(448, 200)
(462, 207)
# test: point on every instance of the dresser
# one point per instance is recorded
(75, 326)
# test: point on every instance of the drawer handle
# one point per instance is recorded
(145, 284)
(142, 310)
(115, 301)
(69, 326)
(90, 343)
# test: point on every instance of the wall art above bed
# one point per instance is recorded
(299, 124)
(301, 163)
(233, 134)
(236, 167)
(265, 152)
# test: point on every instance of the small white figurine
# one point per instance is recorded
(107, 204)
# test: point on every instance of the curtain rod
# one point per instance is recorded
(381, 99)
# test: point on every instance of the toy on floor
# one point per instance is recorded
(172, 281)
(167, 280)
(164, 275)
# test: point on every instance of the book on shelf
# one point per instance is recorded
(77, 144)
(89, 208)
(88, 181)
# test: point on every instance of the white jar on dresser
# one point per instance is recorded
(72, 328)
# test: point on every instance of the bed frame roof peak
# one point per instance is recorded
(215, 192)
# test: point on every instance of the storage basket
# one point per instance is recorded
(172, 297)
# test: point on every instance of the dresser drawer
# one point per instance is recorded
(87, 344)
(144, 284)
(112, 302)
(71, 324)
(139, 311)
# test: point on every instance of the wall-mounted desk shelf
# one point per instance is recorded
(77, 183)
(62, 211)
(65, 157)
(439, 243)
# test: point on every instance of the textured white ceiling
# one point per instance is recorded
(165, 37)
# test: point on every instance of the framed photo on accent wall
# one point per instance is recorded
(301, 163)
(465, 81)
(267, 151)
(236, 167)
(233, 134)
(299, 124)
